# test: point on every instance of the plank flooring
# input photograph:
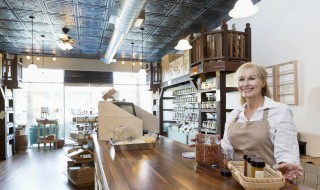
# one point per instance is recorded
(37, 170)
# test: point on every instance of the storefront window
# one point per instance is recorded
(45, 89)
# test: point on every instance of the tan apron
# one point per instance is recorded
(252, 138)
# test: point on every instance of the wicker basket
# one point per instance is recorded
(273, 179)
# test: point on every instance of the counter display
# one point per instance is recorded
(160, 168)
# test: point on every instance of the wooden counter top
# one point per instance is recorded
(161, 168)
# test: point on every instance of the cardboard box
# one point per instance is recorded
(310, 184)
(311, 167)
(311, 177)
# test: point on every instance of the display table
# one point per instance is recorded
(160, 168)
(48, 138)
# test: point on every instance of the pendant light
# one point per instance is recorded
(243, 8)
(142, 71)
(32, 66)
(132, 57)
(183, 44)
(43, 36)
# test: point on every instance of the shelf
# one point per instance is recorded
(208, 110)
(168, 98)
(185, 94)
(186, 103)
(169, 121)
(286, 72)
(208, 90)
(167, 109)
(209, 131)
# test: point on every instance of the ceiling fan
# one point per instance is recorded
(65, 42)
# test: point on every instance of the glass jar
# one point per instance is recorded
(208, 150)
(257, 170)
(225, 158)
(249, 166)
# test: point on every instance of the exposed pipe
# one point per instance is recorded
(130, 10)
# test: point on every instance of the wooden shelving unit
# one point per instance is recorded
(214, 54)
(283, 82)
(11, 72)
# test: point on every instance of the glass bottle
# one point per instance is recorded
(225, 158)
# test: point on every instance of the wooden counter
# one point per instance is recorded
(161, 168)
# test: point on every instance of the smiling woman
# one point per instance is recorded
(268, 124)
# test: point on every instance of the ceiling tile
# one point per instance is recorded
(89, 39)
(38, 16)
(2, 4)
(5, 39)
(25, 5)
(59, 7)
(158, 7)
(11, 25)
(65, 20)
(91, 23)
(153, 19)
(89, 46)
(91, 11)
(94, 2)
(90, 32)
(7, 15)
(17, 33)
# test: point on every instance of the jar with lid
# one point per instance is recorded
(257, 170)
(208, 150)
(249, 166)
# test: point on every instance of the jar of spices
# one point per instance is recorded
(249, 167)
(208, 150)
(257, 168)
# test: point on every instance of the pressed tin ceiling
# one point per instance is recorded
(90, 26)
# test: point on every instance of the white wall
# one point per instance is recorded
(286, 30)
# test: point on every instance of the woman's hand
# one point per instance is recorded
(289, 171)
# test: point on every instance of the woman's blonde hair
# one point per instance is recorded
(257, 70)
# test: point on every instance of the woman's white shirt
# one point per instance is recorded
(283, 132)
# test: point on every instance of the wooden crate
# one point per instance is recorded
(79, 175)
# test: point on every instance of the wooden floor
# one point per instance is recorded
(37, 170)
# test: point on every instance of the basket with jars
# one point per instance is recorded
(259, 176)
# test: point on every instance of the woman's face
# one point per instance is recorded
(250, 85)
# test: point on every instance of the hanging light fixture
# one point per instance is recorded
(243, 8)
(132, 57)
(32, 66)
(183, 44)
(142, 71)
(43, 36)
